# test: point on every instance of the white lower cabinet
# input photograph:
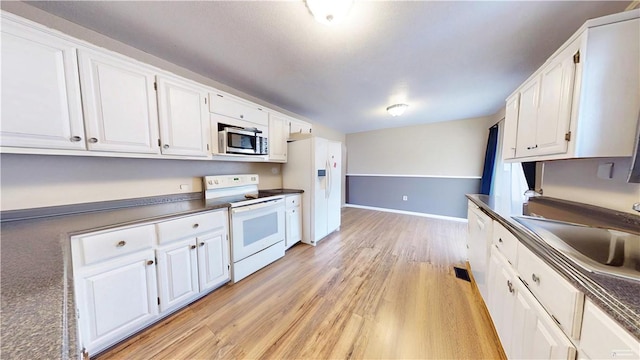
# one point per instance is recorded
(480, 230)
(293, 220)
(525, 329)
(115, 288)
(195, 258)
(603, 338)
(127, 278)
(177, 273)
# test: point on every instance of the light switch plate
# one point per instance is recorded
(605, 171)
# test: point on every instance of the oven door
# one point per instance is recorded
(256, 227)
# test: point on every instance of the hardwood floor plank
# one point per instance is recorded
(381, 287)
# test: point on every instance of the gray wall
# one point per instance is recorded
(429, 195)
(435, 165)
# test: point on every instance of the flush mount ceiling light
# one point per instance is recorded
(397, 109)
(329, 12)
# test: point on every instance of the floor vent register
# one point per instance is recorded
(462, 273)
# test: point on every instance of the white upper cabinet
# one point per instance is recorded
(297, 127)
(545, 107)
(584, 101)
(183, 115)
(236, 108)
(510, 127)
(278, 133)
(41, 105)
(119, 103)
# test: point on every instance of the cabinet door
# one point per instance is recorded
(119, 101)
(299, 127)
(183, 117)
(554, 109)
(293, 226)
(480, 230)
(527, 115)
(510, 127)
(213, 259)
(177, 273)
(277, 138)
(116, 299)
(41, 105)
(535, 335)
(502, 298)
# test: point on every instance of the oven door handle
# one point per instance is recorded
(257, 206)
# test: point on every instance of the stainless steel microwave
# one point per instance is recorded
(245, 141)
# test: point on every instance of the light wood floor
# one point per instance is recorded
(382, 287)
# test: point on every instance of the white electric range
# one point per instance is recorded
(256, 222)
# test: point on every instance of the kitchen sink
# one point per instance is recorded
(599, 250)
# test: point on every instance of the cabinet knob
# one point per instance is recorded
(500, 240)
(121, 243)
(76, 138)
(166, 146)
(241, 116)
(201, 244)
(535, 278)
(192, 247)
(150, 262)
(93, 140)
(196, 225)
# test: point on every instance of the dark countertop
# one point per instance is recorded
(618, 297)
(271, 192)
(36, 274)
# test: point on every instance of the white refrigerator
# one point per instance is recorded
(314, 165)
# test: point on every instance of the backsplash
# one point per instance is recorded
(30, 181)
(577, 180)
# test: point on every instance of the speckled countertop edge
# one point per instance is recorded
(616, 296)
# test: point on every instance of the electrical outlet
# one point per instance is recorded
(405, 198)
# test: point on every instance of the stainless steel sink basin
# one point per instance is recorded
(599, 250)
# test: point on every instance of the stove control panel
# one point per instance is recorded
(229, 181)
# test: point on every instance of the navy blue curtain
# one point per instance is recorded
(529, 169)
(489, 160)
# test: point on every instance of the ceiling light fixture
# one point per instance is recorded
(397, 109)
(329, 12)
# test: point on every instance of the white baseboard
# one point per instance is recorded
(441, 217)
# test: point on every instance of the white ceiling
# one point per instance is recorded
(448, 60)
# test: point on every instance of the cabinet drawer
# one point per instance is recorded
(603, 338)
(101, 246)
(227, 106)
(563, 301)
(292, 201)
(506, 242)
(190, 226)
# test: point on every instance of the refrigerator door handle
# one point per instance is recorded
(328, 191)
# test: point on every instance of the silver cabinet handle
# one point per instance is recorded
(76, 138)
(93, 140)
(510, 286)
(121, 243)
(166, 146)
(535, 278)
(532, 147)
